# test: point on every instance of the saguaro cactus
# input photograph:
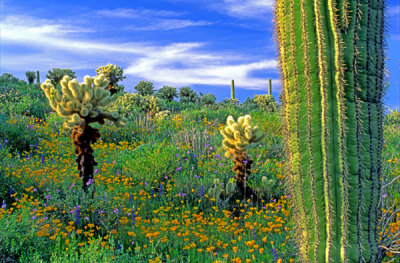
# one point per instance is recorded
(332, 62)
(83, 103)
(269, 86)
(232, 89)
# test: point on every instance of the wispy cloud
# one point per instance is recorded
(182, 65)
(172, 64)
(393, 10)
(168, 24)
(136, 13)
(245, 8)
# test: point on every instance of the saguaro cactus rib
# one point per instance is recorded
(334, 91)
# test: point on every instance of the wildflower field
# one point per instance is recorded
(151, 191)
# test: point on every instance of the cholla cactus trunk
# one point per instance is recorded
(332, 63)
(83, 135)
(242, 169)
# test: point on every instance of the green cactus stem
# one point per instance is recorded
(83, 103)
(269, 86)
(232, 89)
(237, 137)
(332, 61)
(37, 77)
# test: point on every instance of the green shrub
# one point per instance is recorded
(145, 88)
(393, 117)
(57, 74)
(167, 93)
(187, 95)
(31, 76)
(208, 99)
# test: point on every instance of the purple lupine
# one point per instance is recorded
(254, 234)
(119, 246)
(161, 189)
(152, 193)
(11, 191)
(201, 191)
(275, 253)
(4, 206)
(42, 159)
(78, 216)
(130, 198)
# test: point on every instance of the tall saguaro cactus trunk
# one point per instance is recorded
(332, 68)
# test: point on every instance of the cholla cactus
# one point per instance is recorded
(237, 137)
(83, 103)
(266, 102)
(113, 73)
(219, 193)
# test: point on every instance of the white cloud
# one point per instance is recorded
(174, 64)
(168, 24)
(246, 8)
(197, 68)
(136, 13)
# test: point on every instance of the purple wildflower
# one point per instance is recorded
(161, 189)
(78, 216)
(116, 211)
(201, 191)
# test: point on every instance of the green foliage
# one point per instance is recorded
(17, 133)
(56, 75)
(31, 76)
(167, 93)
(187, 95)
(145, 88)
(266, 102)
(250, 105)
(141, 166)
(393, 117)
(133, 103)
(208, 99)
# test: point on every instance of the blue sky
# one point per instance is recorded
(202, 44)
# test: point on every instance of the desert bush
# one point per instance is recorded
(145, 88)
(167, 93)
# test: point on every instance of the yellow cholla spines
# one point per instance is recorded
(238, 136)
(82, 100)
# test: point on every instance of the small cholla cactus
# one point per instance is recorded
(83, 103)
(237, 137)
(219, 193)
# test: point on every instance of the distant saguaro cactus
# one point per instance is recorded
(332, 63)
(37, 77)
(83, 103)
(269, 86)
(232, 89)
